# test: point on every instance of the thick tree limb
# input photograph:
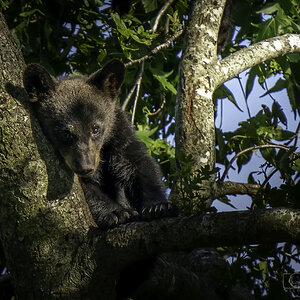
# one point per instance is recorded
(204, 230)
(253, 55)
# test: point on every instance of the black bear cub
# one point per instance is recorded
(121, 182)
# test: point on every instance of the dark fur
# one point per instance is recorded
(120, 180)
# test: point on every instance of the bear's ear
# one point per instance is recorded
(109, 78)
(37, 81)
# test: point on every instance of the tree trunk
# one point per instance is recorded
(43, 215)
(195, 129)
(51, 247)
(201, 72)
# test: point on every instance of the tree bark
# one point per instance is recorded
(201, 72)
(253, 55)
(52, 249)
(43, 215)
(195, 129)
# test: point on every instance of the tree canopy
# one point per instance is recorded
(70, 37)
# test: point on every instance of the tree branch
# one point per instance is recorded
(160, 14)
(251, 56)
(154, 51)
(140, 240)
(137, 91)
(235, 188)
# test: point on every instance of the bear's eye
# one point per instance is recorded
(95, 130)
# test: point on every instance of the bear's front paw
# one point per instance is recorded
(117, 217)
(161, 210)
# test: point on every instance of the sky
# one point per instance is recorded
(231, 116)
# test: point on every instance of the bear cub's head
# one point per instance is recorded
(78, 114)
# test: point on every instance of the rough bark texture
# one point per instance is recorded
(201, 72)
(45, 225)
(253, 55)
(43, 216)
(207, 230)
(195, 130)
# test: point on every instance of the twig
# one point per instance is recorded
(136, 87)
(127, 99)
(156, 49)
(131, 92)
(297, 135)
(160, 109)
(137, 92)
(269, 176)
(247, 150)
(160, 14)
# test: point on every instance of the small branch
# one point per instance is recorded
(235, 188)
(160, 14)
(166, 44)
(274, 171)
(131, 92)
(253, 55)
(159, 109)
(142, 60)
(296, 136)
(137, 92)
(247, 150)
(127, 99)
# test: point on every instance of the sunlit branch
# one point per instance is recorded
(160, 14)
(137, 92)
(159, 109)
(253, 55)
(235, 188)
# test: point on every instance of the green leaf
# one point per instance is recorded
(263, 266)
(278, 113)
(296, 165)
(243, 160)
(269, 154)
(250, 80)
(149, 5)
(278, 86)
(291, 94)
(226, 200)
(144, 134)
(31, 12)
(223, 92)
(294, 57)
(269, 9)
(162, 78)
(121, 26)
(274, 26)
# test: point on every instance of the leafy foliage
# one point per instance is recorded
(80, 36)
